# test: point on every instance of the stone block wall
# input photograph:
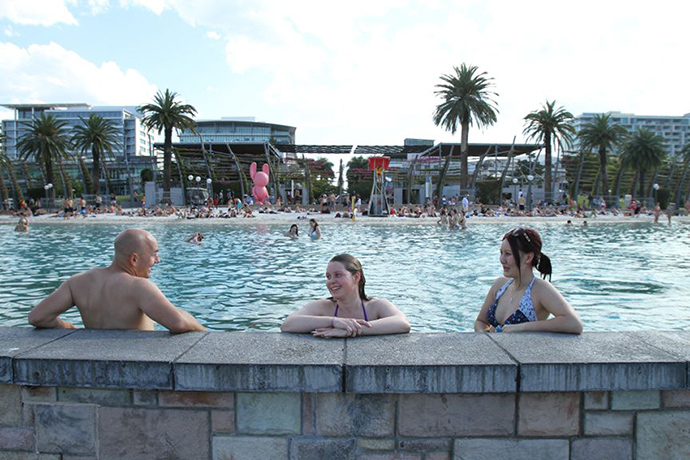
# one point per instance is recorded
(61, 423)
(67, 395)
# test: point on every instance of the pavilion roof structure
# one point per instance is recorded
(477, 150)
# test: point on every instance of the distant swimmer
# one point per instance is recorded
(197, 238)
(293, 232)
(22, 225)
(314, 230)
(119, 296)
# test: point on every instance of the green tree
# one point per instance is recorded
(685, 155)
(341, 179)
(321, 172)
(602, 135)
(46, 141)
(3, 165)
(643, 152)
(359, 177)
(467, 100)
(549, 126)
(98, 135)
(166, 114)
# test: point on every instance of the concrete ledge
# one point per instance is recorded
(412, 363)
(262, 361)
(429, 363)
(593, 361)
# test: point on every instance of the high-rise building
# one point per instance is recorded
(674, 129)
(238, 129)
(136, 139)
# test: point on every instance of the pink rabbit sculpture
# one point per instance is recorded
(260, 179)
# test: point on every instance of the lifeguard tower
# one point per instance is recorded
(378, 205)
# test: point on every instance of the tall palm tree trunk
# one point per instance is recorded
(66, 182)
(50, 177)
(617, 182)
(576, 188)
(86, 176)
(547, 168)
(15, 184)
(27, 176)
(604, 175)
(3, 189)
(108, 184)
(96, 170)
(650, 187)
(464, 154)
(167, 163)
(679, 187)
(633, 185)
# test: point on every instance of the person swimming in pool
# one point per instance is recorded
(293, 232)
(314, 230)
(520, 302)
(349, 312)
(197, 238)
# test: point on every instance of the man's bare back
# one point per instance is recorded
(119, 296)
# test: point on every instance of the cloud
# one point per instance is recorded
(50, 73)
(99, 6)
(9, 32)
(36, 12)
(213, 35)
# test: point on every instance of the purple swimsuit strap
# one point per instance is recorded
(364, 310)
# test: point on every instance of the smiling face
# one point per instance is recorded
(340, 282)
(507, 258)
(145, 258)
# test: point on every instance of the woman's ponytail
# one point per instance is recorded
(544, 266)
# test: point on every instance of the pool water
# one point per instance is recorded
(617, 276)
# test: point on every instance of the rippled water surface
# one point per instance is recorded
(617, 276)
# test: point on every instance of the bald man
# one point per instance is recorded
(119, 296)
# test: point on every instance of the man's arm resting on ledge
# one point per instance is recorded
(157, 307)
(46, 313)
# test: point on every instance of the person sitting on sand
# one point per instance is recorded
(197, 238)
(520, 302)
(119, 296)
(22, 225)
(293, 232)
(349, 312)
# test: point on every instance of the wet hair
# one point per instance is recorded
(528, 240)
(316, 224)
(353, 265)
(295, 227)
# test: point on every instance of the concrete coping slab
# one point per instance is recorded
(17, 340)
(429, 363)
(262, 361)
(408, 363)
(105, 358)
(592, 361)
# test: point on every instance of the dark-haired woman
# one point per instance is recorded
(349, 312)
(520, 302)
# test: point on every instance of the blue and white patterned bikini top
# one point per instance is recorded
(523, 314)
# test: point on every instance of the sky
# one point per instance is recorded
(355, 72)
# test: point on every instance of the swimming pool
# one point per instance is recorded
(617, 276)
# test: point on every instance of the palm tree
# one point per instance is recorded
(644, 151)
(46, 141)
(685, 154)
(166, 114)
(101, 137)
(549, 126)
(602, 135)
(467, 99)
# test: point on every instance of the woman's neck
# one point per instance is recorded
(352, 303)
(526, 277)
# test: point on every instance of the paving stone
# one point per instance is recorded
(635, 400)
(249, 448)
(679, 398)
(428, 363)
(17, 340)
(50, 457)
(66, 428)
(424, 445)
(223, 421)
(144, 398)
(269, 413)
(376, 444)
(261, 361)
(98, 396)
(390, 456)
(549, 414)
(39, 394)
(196, 399)
(7, 455)
(320, 449)
(340, 414)
(147, 433)
(308, 414)
(456, 415)
(663, 435)
(602, 449)
(10, 405)
(105, 359)
(592, 361)
(596, 400)
(437, 456)
(608, 423)
(511, 449)
(16, 438)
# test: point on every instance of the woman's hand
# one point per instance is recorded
(329, 332)
(353, 327)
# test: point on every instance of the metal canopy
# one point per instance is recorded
(477, 150)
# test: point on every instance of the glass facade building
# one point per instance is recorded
(674, 129)
(243, 130)
(136, 139)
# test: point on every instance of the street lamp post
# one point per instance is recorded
(530, 178)
(47, 188)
